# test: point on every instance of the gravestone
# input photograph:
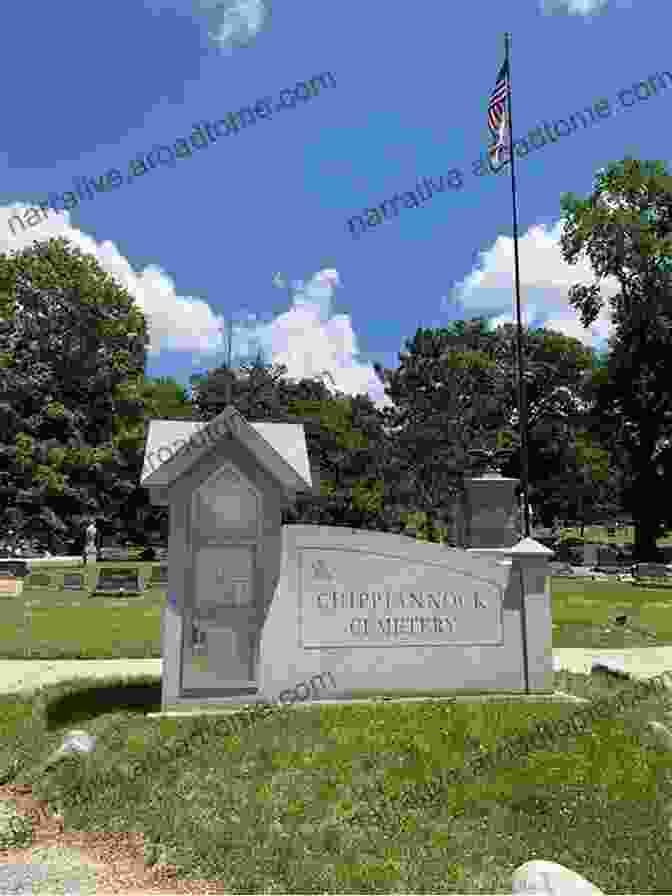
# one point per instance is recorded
(652, 570)
(255, 607)
(119, 581)
(114, 553)
(17, 568)
(159, 576)
(73, 582)
(590, 554)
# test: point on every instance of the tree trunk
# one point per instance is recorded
(646, 513)
(646, 533)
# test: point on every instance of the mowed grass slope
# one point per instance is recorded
(331, 799)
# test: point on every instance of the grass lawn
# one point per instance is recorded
(583, 614)
(626, 535)
(307, 801)
(48, 623)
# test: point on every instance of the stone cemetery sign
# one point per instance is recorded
(402, 603)
(386, 612)
(116, 581)
(254, 606)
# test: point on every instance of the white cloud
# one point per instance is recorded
(228, 23)
(234, 22)
(545, 280)
(578, 7)
(308, 338)
(181, 323)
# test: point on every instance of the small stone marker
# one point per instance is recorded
(159, 576)
(73, 582)
(612, 665)
(551, 879)
(119, 581)
(75, 742)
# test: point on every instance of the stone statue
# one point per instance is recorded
(490, 461)
(90, 549)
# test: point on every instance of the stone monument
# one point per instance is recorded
(90, 550)
(255, 607)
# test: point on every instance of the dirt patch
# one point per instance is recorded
(117, 858)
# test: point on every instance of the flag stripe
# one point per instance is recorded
(497, 115)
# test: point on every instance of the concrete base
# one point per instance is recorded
(217, 708)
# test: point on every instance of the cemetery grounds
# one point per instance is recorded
(331, 798)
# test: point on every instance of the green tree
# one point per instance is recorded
(344, 435)
(347, 442)
(72, 354)
(141, 521)
(633, 400)
(166, 399)
(457, 389)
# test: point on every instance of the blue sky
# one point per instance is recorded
(256, 225)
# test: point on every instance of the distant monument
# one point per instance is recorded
(90, 550)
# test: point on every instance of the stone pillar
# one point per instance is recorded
(530, 568)
(491, 516)
(490, 511)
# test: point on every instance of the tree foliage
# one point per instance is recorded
(72, 354)
(624, 229)
(457, 388)
(166, 399)
(344, 435)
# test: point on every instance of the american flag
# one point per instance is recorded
(498, 120)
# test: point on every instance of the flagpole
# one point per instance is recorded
(522, 403)
(522, 407)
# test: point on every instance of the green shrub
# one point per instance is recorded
(15, 830)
